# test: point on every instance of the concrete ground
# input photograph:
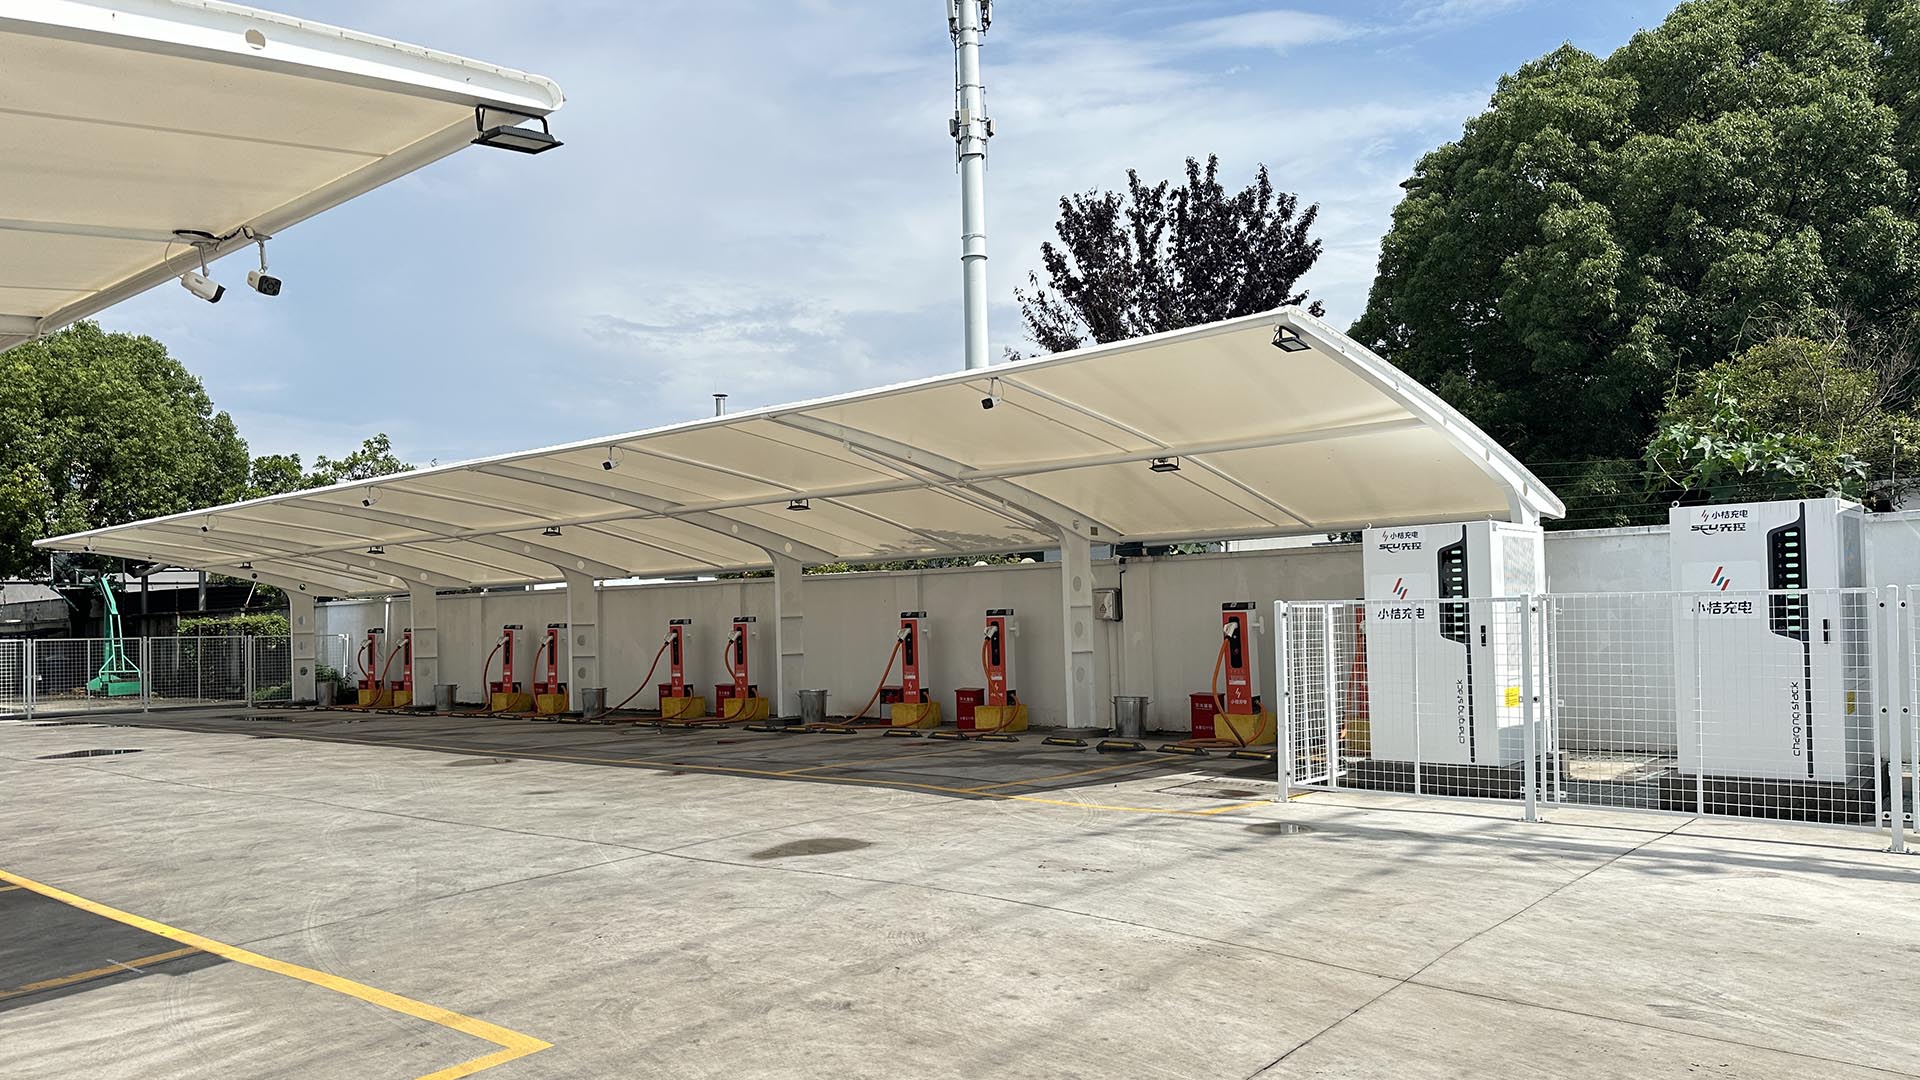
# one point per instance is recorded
(323, 895)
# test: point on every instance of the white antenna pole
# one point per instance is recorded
(966, 21)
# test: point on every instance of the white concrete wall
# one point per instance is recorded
(1164, 648)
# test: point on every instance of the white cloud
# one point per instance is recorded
(1279, 31)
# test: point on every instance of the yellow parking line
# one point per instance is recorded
(95, 973)
(512, 1044)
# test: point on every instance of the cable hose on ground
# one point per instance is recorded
(644, 681)
(883, 680)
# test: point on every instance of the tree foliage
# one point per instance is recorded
(275, 474)
(99, 428)
(1610, 227)
(1159, 257)
(1788, 418)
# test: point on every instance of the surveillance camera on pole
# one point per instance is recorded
(259, 280)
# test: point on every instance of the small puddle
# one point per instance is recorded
(84, 754)
(1279, 828)
(822, 845)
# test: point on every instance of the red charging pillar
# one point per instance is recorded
(406, 660)
(506, 685)
(1236, 625)
(999, 657)
(737, 656)
(676, 657)
(552, 684)
(910, 689)
(370, 672)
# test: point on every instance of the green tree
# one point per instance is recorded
(1160, 258)
(99, 428)
(275, 474)
(1791, 417)
(1608, 227)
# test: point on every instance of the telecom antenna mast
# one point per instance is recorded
(966, 21)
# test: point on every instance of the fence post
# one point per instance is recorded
(246, 665)
(1332, 703)
(146, 674)
(1283, 748)
(1893, 664)
(32, 676)
(1530, 772)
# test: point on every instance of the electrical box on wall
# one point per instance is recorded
(1106, 605)
(1443, 663)
(1771, 666)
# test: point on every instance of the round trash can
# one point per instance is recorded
(1129, 717)
(593, 701)
(324, 693)
(443, 694)
(813, 706)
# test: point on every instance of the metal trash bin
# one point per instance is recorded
(813, 706)
(593, 701)
(1129, 717)
(324, 693)
(443, 695)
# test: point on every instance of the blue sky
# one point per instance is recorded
(759, 197)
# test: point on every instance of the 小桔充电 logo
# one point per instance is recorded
(1399, 588)
(1721, 579)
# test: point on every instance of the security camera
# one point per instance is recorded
(263, 283)
(607, 464)
(366, 501)
(993, 394)
(203, 286)
(986, 403)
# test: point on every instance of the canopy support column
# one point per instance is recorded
(789, 636)
(301, 641)
(1076, 603)
(423, 615)
(583, 638)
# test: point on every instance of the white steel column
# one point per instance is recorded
(1076, 604)
(301, 641)
(583, 637)
(423, 613)
(789, 636)
(966, 21)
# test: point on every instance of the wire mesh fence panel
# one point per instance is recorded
(84, 674)
(272, 668)
(1740, 704)
(1306, 656)
(196, 670)
(1615, 715)
(1416, 696)
(334, 651)
(13, 678)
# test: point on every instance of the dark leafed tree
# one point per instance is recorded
(1160, 258)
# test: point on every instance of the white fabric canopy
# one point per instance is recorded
(1267, 442)
(124, 122)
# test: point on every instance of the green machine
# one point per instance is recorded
(118, 676)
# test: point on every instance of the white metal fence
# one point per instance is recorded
(1777, 705)
(62, 676)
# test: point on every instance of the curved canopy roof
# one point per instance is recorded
(126, 121)
(1277, 422)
